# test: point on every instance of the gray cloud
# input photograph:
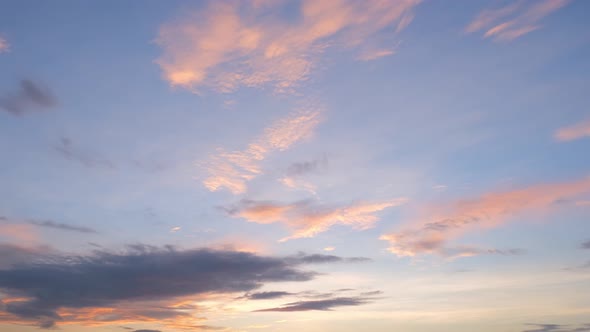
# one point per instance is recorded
(267, 295)
(323, 259)
(322, 305)
(147, 331)
(67, 150)
(558, 328)
(585, 245)
(11, 255)
(30, 97)
(140, 273)
(62, 226)
(301, 168)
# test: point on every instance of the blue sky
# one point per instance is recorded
(412, 165)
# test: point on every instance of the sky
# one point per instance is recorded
(268, 165)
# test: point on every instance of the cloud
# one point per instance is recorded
(308, 219)
(303, 258)
(267, 295)
(143, 283)
(585, 245)
(31, 97)
(62, 226)
(574, 132)
(231, 44)
(232, 170)
(558, 328)
(306, 167)
(11, 254)
(322, 305)
(4, 46)
(515, 20)
(432, 233)
(16, 231)
(67, 150)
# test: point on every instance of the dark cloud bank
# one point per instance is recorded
(143, 273)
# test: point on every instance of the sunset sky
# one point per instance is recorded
(307, 165)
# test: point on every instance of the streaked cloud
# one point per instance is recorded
(232, 170)
(573, 132)
(321, 305)
(67, 150)
(308, 219)
(514, 20)
(62, 226)
(558, 328)
(231, 44)
(4, 46)
(268, 295)
(432, 234)
(29, 98)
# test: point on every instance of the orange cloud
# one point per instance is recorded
(432, 233)
(308, 220)
(574, 132)
(515, 20)
(232, 170)
(232, 44)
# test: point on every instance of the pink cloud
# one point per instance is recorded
(232, 44)
(515, 20)
(307, 219)
(232, 170)
(574, 132)
(433, 233)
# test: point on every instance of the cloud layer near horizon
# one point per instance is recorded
(230, 44)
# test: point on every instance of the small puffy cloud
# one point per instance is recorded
(232, 170)
(433, 233)
(175, 229)
(239, 44)
(329, 249)
(4, 46)
(308, 219)
(30, 97)
(514, 20)
(574, 132)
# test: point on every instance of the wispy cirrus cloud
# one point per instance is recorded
(66, 149)
(30, 97)
(432, 234)
(232, 170)
(308, 219)
(233, 44)
(62, 226)
(514, 20)
(573, 132)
